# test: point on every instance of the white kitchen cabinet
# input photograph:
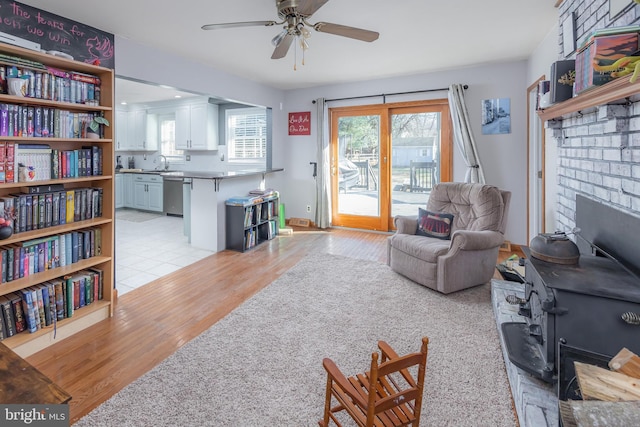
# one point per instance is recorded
(127, 189)
(119, 190)
(147, 192)
(121, 124)
(142, 131)
(197, 127)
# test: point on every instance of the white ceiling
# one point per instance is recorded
(416, 36)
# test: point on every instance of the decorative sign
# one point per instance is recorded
(300, 123)
(56, 33)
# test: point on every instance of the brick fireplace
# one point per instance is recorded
(598, 156)
(598, 149)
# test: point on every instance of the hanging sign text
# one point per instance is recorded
(300, 123)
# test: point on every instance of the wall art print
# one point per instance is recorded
(496, 116)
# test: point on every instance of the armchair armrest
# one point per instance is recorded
(475, 240)
(406, 224)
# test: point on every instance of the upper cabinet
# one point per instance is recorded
(197, 126)
(136, 131)
(121, 129)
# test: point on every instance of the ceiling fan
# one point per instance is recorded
(294, 15)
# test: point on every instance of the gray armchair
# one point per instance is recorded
(469, 257)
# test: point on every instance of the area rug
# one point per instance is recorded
(262, 364)
(135, 215)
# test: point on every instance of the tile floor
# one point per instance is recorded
(149, 246)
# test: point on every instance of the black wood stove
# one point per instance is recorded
(586, 311)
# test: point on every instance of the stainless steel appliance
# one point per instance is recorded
(172, 196)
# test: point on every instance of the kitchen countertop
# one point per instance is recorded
(202, 174)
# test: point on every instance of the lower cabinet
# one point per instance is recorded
(127, 190)
(119, 191)
(147, 192)
(249, 225)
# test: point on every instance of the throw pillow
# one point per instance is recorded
(433, 224)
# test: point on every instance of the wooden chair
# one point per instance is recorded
(396, 397)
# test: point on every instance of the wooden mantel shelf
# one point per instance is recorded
(615, 90)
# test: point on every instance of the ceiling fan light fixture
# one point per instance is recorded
(303, 43)
(279, 37)
(304, 31)
(295, 14)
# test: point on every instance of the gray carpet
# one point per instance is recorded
(262, 364)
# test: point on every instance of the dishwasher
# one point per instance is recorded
(172, 196)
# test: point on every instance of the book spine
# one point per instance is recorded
(16, 302)
(9, 320)
(28, 310)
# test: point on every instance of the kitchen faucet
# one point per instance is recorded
(166, 164)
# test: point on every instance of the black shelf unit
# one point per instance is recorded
(249, 225)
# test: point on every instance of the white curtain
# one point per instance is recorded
(463, 136)
(323, 179)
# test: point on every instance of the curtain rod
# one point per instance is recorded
(384, 95)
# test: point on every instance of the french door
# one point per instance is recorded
(385, 159)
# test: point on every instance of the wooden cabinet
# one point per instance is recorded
(147, 192)
(248, 225)
(93, 185)
(119, 191)
(197, 127)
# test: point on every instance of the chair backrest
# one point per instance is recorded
(475, 207)
(393, 392)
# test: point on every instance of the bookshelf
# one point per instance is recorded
(251, 223)
(78, 166)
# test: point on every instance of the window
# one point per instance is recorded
(167, 129)
(246, 134)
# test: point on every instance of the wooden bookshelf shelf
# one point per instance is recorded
(616, 90)
(43, 242)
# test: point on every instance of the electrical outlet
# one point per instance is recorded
(308, 208)
(188, 158)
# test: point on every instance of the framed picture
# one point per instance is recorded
(617, 6)
(496, 116)
(568, 35)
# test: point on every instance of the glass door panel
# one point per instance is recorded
(415, 158)
(356, 176)
(385, 159)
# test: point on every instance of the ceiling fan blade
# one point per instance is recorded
(238, 24)
(281, 50)
(343, 30)
(309, 7)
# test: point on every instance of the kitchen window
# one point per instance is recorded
(167, 131)
(246, 134)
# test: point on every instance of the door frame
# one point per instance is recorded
(534, 205)
(385, 222)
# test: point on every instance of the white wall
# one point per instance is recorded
(503, 156)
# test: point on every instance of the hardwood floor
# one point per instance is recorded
(152, 322)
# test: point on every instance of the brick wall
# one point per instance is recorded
(598, 149)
